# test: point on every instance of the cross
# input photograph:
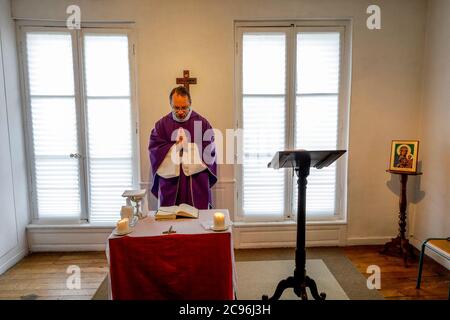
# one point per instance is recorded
(169, 231)
(186, 81)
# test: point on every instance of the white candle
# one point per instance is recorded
(126, 212)
(219, 220)
(122, 225)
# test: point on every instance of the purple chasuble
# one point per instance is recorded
(194, 190)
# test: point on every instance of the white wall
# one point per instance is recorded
(198, 35)
(432, 217)
(13, 182)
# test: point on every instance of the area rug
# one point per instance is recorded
(333, 273)
(251, 285)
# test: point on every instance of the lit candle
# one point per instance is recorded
(122, 225)
(219, 220)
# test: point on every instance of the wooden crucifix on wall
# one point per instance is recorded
(186, 80)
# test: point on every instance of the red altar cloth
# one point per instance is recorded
(195, 266)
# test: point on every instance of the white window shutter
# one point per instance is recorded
(317, 102)
(54, 124)
(264, 109)
(109, 123)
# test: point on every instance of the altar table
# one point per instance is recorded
(192, 264)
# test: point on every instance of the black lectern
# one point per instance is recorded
(301, 161)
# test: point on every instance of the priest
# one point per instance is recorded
(182, 155)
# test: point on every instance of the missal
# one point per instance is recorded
(183, 210)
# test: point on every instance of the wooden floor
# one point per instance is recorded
(398, 282)
(44, 275)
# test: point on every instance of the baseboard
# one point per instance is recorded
(76, 238)
(430, 253)
(11, 258)
(67, 247)
(283, 236)
(363, 241)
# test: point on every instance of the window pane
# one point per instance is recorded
(318, 55)
(54, 126)
(106, 65)
(320, 192)
(50, 63)
(317, 122)
(109, 178)
(109, 123)
(264, 125)
(58, 193)
(264, 59)
(264, 134)
(54, 139)
(263, 188)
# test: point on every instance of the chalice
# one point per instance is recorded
(134, 198)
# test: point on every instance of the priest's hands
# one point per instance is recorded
(179, 144)
(181, 140)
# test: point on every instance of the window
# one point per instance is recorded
(292, 94)
(81, 121)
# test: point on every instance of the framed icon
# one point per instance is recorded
(404, 155)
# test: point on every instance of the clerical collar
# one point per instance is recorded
(182, 120)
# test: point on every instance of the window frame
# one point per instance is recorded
(344, 26)
(22, 28)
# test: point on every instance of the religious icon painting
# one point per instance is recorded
(404, 155)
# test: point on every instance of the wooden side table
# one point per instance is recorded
(401, 242)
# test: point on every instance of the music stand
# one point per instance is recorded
(301, 161)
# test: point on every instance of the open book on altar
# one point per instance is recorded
(183, 210)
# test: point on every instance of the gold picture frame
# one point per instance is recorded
(404, 156)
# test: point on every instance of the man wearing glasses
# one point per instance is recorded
(182, 155)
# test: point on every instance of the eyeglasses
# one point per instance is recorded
(180, 108)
